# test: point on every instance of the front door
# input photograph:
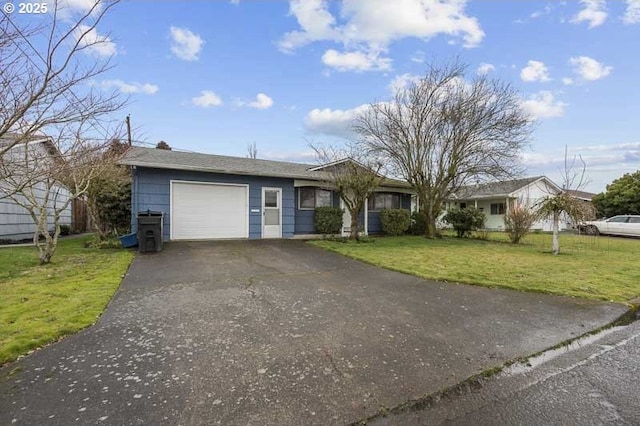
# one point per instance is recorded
(271, 212)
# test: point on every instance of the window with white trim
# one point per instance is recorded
(383, 200)
(309, 198)
(498, 208)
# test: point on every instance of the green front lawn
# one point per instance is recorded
(592, 267)
(40, 304)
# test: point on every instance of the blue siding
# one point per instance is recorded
(375, 223)
(151, 191)
(304, 218)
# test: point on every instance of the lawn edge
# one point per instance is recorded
(475, 382)
(493, 286)
(62, 337)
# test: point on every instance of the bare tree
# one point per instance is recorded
(252, 151)
(46, 86)
(50, 174)
(442, 132)
(554, 206)
(50, 112)
(354, 175)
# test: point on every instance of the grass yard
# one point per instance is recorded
(41, 304)
(600, 268)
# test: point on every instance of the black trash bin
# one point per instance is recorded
(149, 231)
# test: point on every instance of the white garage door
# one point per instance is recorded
(205, 211)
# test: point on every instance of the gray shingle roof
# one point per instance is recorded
(494, 189)
(583, 195)
(176, 160)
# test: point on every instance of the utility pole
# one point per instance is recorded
(128, 120)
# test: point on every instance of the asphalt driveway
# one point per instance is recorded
(277, 332)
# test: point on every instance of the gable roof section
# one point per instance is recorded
(175, 160)
(499, 189)
(582, 195)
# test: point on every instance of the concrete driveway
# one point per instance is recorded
(277, 332)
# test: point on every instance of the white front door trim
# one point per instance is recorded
(272, 231)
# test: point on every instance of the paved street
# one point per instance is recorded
(593, 383)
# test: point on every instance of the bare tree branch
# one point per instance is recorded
(442, 132)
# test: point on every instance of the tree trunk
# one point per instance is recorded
(556, 239)
(354, 234)
(431, 210)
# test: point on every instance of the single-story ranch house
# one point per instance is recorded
(494, 199)
(206, 196)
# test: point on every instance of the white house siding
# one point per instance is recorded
(15, 221)
(530, 195)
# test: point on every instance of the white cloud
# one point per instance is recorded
(185, 44)
(589, 69)
(128, 88)
(632, 14)
(402, 81)
(535, 71)
(94, 43)
(418, 57)
(333, 122)
(485, 68)
(567, 81)
(262, 101)
(207, 99)
(355, 61)
(367, 28)
(594, 12)
(543, 105)
(68, 8)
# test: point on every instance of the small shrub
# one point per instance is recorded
(395, 221)
(418, 223)
(65, 229)
(518, 222)
(328, 220)
(465, 220)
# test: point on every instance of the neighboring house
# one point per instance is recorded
(206, 196)
(494, 199)
(15, 221)
(585, 197)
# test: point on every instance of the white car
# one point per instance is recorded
(626, 224)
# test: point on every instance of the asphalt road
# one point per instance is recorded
(595, 382)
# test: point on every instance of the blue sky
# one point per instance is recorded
(215, 76)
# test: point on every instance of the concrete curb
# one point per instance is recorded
(475, 382)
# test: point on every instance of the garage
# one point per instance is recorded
(203, 210)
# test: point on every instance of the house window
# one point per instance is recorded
(383, 200)
(498, 208)
(310, 198)
(463, 205)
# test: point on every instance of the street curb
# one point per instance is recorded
(475, 382)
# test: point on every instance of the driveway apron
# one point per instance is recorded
(277, 332)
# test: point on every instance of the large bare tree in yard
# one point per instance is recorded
(442, 131)
(48, 92)
(354, 175)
